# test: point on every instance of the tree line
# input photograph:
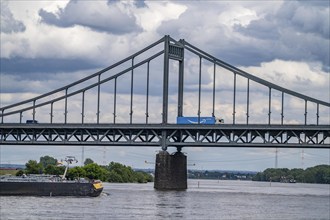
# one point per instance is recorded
(220, 175)
(316, 174)
(113, 172)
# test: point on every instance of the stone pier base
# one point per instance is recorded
(170, 171)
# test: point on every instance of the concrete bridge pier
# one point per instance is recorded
(171, 171)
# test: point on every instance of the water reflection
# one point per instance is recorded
(170, 204)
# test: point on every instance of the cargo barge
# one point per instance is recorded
(48, 185)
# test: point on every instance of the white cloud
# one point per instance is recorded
(237, 16)
(42, 41)
(152, 16)
(306, 78)
(8, 22)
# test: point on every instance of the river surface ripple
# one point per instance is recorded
(204, 199)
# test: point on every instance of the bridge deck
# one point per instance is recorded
(226, 135)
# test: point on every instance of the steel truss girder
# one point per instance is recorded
(279, 136)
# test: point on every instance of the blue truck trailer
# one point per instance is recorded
(202, 120)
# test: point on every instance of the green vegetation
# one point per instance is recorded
(114, 172)
(88, 161)
(317, 174)
(47, 160)
(122, 174)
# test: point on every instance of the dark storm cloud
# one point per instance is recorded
(28, 66)
(298, 16)
(137, 3)
(263, 29)
(297, 31)
(109, 19)
(315, 3)
(304, 18)
(140, 4)
(8, 22)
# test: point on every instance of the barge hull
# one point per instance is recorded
(48, 189)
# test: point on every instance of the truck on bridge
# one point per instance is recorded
(202, 120)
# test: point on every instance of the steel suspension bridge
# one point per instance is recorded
(135, 102)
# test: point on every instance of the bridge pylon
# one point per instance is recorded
(170, 171)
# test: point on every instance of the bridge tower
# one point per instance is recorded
(171, 170)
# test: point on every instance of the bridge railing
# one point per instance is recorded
(64, 92)
(236, 71)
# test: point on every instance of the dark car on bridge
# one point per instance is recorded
(31, 122)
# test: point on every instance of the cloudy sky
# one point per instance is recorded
(49, 44)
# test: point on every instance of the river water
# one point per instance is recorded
(204, 199)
